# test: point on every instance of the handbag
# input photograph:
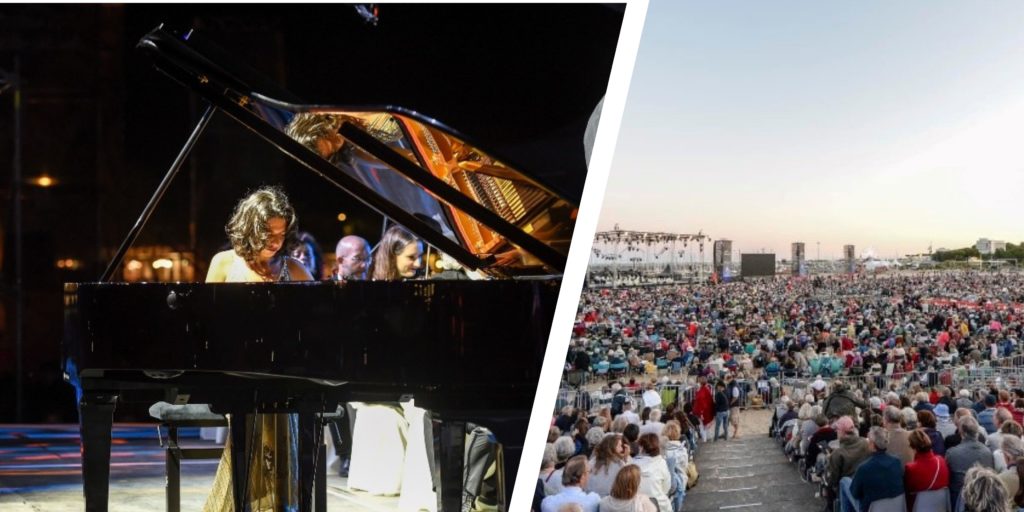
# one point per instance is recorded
(691, 475)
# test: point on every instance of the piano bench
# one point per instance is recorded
(174, 417)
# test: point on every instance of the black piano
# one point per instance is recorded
(469, 351)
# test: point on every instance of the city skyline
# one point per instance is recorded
(887, 126)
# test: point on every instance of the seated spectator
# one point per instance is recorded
(574, 480)
(610, 455)
(968, 453)
(926, 422)
(624, 496)
(983, 491)
(653, 425)
(674, 449)
(878, 477)
(986, 417)
(629, 414)
(579, 436)
(953, 440)
(943, 423)
(994, 440)
(553, 434)
(630, 434)
(655, 479)
(898, 440)
(852, 450)
(928, 471)
(824, 433)
(1010, 452)
(1009, 429)
(547, 475)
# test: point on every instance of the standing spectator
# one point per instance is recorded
(842, 402)
(735, 402)
(927, 472)
(721, 410)
(574, 481)
(969, 452)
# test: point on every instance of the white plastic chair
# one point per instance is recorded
(932, 501)
(897, 504)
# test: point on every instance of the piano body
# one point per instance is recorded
(469, 351)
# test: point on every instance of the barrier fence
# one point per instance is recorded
(762, 392)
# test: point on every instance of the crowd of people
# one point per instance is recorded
(951, 450)
(895, 345)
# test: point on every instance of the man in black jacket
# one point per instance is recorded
(721, 410)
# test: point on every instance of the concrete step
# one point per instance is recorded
(797, 497)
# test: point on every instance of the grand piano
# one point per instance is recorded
(468, 351)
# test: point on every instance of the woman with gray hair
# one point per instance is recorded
(1012, 450)
(983, 492)
(550, 477)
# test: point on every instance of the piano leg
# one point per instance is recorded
(96, 418)
(452, 456)
(239, 425)
(308, 448)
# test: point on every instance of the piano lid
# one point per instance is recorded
(476, 206)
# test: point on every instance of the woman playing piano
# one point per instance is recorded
(263, 231)
(261, 226)
(398, 256)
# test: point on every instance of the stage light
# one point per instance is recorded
(44, 181)
(342, 217)
(134, 265)
(163, 263)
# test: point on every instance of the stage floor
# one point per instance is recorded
(40, 470)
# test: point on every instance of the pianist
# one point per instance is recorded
(399, 256)
(263, 231)
(262, 224)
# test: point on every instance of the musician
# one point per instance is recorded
(309, 255)
(399, 256)
(353, 257)
(262, 224)
(262, 230)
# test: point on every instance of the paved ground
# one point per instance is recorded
(749, 473)
(40, 470)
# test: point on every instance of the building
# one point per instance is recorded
(797, 259)
(986, 246)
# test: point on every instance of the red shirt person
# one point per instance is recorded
(703, 403)
(927, 472)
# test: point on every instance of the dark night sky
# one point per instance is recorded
(519, 79)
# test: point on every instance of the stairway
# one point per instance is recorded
(749, 474)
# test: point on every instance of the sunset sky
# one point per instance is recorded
(886, 125)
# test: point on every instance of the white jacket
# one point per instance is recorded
(655, 479)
